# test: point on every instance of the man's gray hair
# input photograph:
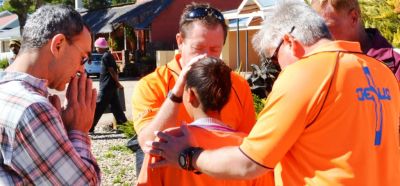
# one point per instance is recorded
(309, 26)
(48, 21)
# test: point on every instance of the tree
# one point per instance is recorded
(21, 8)
(95, 4)
(384, 15)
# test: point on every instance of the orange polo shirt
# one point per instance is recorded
(151, 91)
(332, 118)
(209, 134)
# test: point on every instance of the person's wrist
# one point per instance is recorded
(177, 91)
(194, 160)
(174, 98)
(188, 157)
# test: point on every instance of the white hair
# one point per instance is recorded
(309, 26)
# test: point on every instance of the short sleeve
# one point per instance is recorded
(294, 102)
(145, 103)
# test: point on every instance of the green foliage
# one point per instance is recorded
(127, 129)
(65, 2)
(116, 43)
(109, 154)
(258, 103)
(120, 176)
(96, 4)
(116, 2)
(384, 15)
(106, 170)
(120, 148)
(3, 63)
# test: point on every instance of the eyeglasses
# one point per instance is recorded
(84, 59)
(274, 57)
(201, 12)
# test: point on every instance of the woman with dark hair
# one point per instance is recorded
(207, 89)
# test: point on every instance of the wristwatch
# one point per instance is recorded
(174, 98)
(186, 158)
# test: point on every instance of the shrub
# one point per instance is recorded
(127, 129)
(3, 63)
(258, 103)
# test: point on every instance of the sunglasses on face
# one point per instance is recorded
(201, 12)
(85, 59)
(274, 57)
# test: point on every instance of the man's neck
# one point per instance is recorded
(364, 41)
(198, 114)
(308, 49)
(31, 62)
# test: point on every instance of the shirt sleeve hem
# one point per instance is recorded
(253, 159)
(81, 142)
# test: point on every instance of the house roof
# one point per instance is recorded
(146, 17)
(9, 26)
(249, 14)
(9, 21)
(104, 20)
(5, 13)
(13, 33)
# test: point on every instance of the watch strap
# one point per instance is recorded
(174, 98)
(188, 154)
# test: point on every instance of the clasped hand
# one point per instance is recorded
(78, 112)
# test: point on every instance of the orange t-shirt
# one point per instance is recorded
(209, 134)
(151, 91)
(331, 118)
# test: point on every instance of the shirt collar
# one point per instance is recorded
(336, 46)
(39, 84)
(211, 124)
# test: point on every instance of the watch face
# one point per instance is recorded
(182, 161)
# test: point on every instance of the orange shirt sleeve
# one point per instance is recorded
(146, 101)
(295, 100)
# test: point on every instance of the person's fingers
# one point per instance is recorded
(196, 59)
(88, 92)
(185, 130)
(154, 152)
(94, 97)
(158, 145)
(72, 90)
(82, 88)
(157, 164)
(163, 136)
(55, 101)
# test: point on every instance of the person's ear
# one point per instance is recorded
(179, 41)
(354, 16)
(193, 99)
(296, 48)
(57, 44)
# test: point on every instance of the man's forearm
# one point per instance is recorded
(165, 118)
(228, 163)
(81, 143)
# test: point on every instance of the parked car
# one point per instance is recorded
(94, 68)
